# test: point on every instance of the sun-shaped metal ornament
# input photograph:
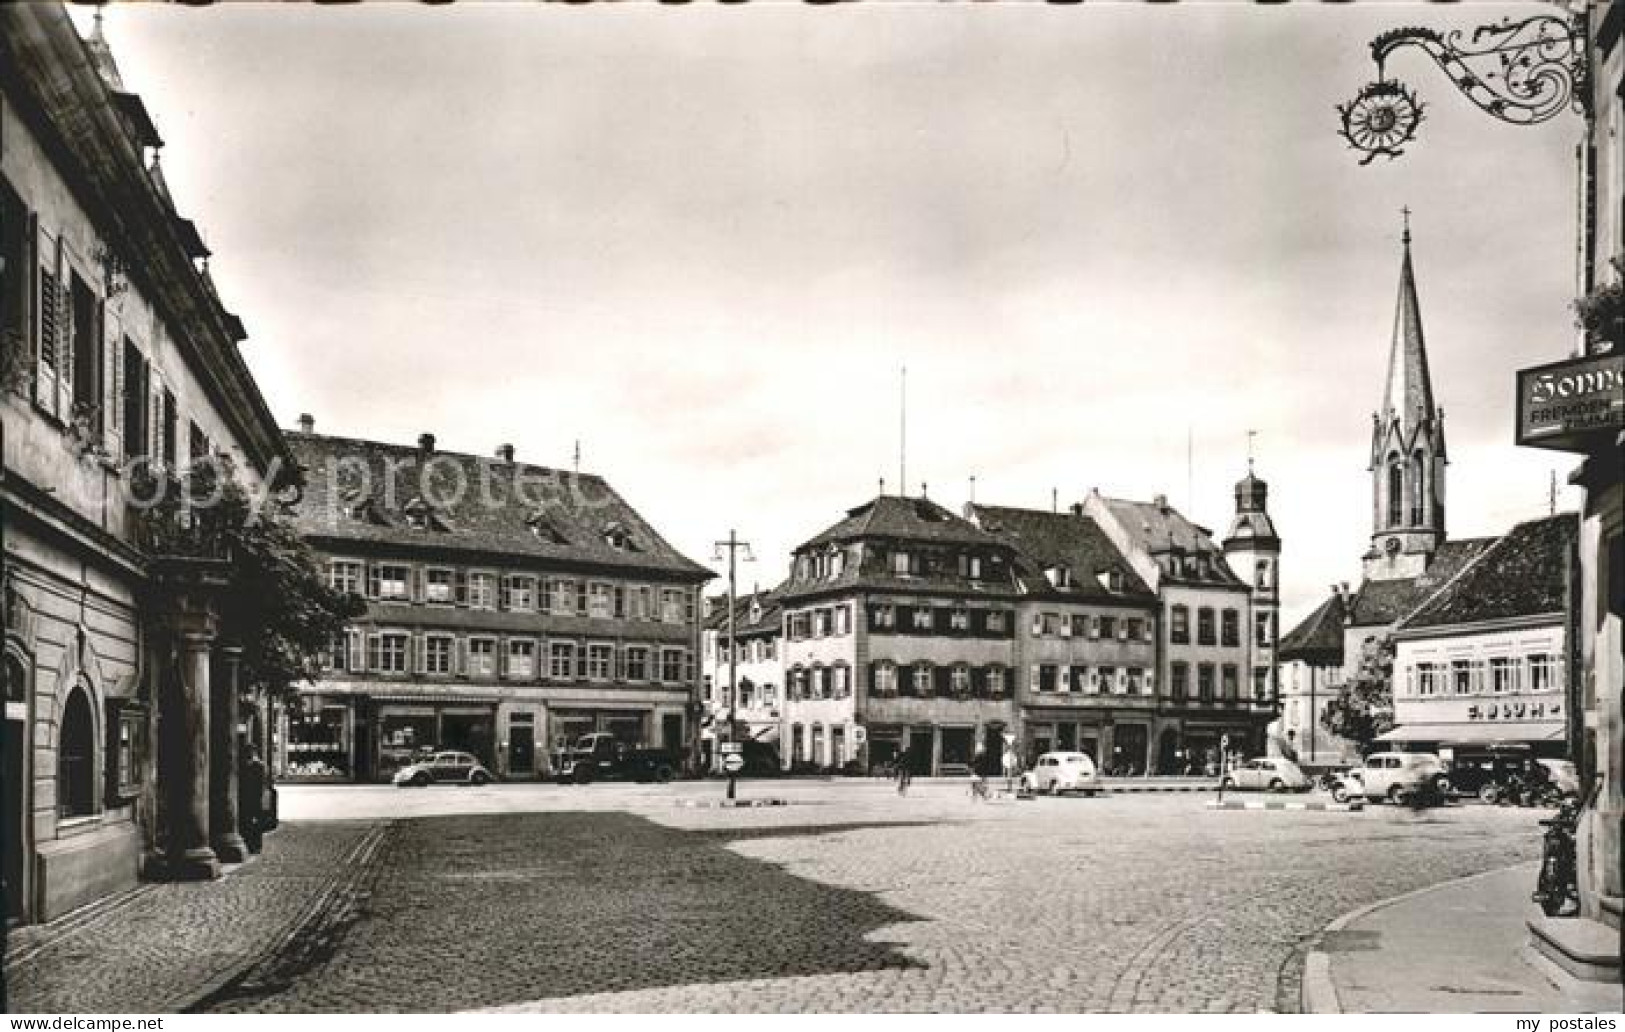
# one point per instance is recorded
(1380, 119)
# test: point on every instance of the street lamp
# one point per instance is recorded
(733, 546)
(1522, 72)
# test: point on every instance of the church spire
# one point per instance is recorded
(1407, 446)
(101, 55)
(1408, 393)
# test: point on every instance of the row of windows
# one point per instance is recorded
(1179, 627)
(1535, 672)
(829, 621)
(820, 682)
(750, 693)
(950, 680)
(519, 659)
(1046, 677)
(756, 650)
(88, 373)
(1213, 682)
(944, 620)
(1081, 625)
(510, 592)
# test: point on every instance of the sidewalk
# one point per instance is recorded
(1460, 947)
(161, 947)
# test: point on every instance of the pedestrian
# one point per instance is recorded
(1012, 764)
(251, 798)
(905, 771)
(978, 785)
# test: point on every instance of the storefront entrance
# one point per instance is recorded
(919, 751)
(958, 745)
(521, 745)
(1129, 749)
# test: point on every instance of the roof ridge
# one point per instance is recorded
(1496, 542)
(450, 453)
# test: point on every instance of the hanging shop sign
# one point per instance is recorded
(1572, 405)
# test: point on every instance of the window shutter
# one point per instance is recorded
(47, 358)
(373, 648)
(417, 584)
(1122, 629)
(1094, 628)
(503, 597)
(1066, 679)
(1094, 680)
(112, 387)
(460, 657)
(155, 416)
(354, 642)
(420, 649)
(1038, 624)
(1122, 682)
(459, 580)
(581, 659)
(1033, 682)
(372, 581)
(1066, 626)
(620, 602)
(1149, 632)
(1151, 682)
(581, 598)
(501, 646)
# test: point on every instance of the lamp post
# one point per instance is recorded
(733, 546)
(1522, 73)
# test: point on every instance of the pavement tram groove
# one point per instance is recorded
(848, 898)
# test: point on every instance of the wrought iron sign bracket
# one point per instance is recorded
(1522, 73)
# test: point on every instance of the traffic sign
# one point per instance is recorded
(732, 747)
(733, 763)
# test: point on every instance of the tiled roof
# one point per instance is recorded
(767, 617)
(1158, 529)
(1382, 602)
(1319, 638)
(366, 491)
(1072, 540)
(1521, 574)
(902, 519)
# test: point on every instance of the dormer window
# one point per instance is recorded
(900, 564)
(755, 612)
(1111, 580)
(1059, 577)
(970, 566)
(616, 536)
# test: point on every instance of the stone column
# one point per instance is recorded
(184, 757)
(223, 719)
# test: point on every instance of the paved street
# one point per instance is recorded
(615, 898)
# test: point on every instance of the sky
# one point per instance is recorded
(1105, 241)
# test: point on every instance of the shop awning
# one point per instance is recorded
(1471, 734)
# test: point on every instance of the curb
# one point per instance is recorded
(1282, 804)
(1123, 789)
(1319, 992)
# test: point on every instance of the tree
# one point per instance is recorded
(1364, 707)
(278, 606)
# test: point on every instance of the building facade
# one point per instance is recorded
(1311, 675)
(1206, 652)
(899, 634)
(118, 360)
(748, 652)
(1086, 639)
(1479, 667)
(511, 609)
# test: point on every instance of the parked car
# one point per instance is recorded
(1057, 772)
(1270, 775)
(601, 756)
(456, 767)
(1390, 775)
(1347, 784)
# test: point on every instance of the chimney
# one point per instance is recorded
(505, 452)
(1161, 502)
(1077, 508)
(426, 443)
(307, 423)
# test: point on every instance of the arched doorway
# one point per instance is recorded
(13, 781)
(76, 758)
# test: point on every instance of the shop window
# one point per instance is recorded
(318, 740)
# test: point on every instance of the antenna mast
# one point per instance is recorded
(902, 433)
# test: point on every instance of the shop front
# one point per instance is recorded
(1061, 730)
(408, 731)
(320, 733)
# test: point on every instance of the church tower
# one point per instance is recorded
(1407, 449)
(1254, 552)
